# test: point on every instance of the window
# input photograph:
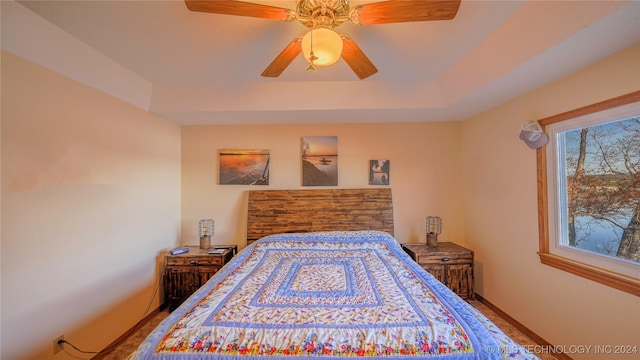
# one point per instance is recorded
(589, 192)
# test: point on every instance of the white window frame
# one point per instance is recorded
(619, 274)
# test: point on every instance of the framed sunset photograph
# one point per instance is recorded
(244, 167)
(320, 161)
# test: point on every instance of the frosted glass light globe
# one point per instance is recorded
(327, 46)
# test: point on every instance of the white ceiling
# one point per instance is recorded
(205, 68)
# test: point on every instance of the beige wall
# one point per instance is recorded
(90, 199)
(425, 175)
(500, 203)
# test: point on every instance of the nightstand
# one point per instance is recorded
(450, 263)
(185, 273)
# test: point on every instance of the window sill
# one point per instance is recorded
(609, 278)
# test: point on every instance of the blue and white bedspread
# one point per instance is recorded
(329, 295)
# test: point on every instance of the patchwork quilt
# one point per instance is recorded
(327, 295)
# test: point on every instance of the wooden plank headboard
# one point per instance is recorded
(285, 211)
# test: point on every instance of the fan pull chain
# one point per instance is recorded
(312, 56)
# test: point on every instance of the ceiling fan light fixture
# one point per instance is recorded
(325, 44)
(322, 46)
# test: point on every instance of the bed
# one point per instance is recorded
(313, 286)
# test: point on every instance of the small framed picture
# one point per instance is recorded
(379, 172)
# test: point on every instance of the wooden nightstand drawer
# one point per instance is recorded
(177, 260)
(444, 259)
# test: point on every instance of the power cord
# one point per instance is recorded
(63, 341)
(128, 333)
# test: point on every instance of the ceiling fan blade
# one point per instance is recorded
(356, 59)
(285, 58)
(395, 11)
(240, 8)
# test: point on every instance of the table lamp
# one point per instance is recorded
(205, 230)
(434, 228)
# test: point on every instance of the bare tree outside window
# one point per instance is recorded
(602, 170)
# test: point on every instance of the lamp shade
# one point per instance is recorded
(206, 227)
(326, 45)
(434, 225)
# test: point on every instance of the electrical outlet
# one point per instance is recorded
(57, 345)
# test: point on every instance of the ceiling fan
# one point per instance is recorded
(321, 17)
